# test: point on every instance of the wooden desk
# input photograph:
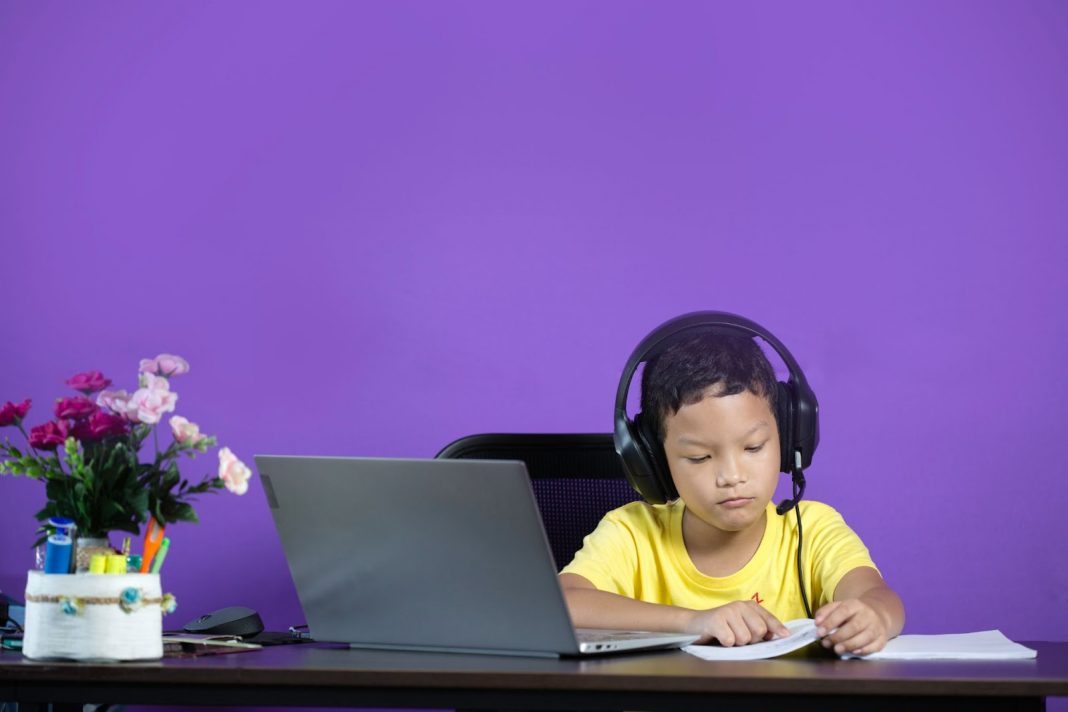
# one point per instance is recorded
(310, 676)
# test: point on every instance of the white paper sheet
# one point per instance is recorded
(984, 645)
(802, 633)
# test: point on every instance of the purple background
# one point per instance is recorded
(374, 228)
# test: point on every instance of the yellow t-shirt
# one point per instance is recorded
(638, 551)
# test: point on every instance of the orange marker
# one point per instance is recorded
(153, 538)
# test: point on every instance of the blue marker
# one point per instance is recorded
(59, 546)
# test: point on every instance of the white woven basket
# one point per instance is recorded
(93, 617)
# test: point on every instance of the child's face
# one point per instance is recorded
(723, 453)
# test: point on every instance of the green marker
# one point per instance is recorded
(157, 563)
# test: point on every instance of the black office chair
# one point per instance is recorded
(576, 479)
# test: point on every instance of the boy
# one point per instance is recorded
(719, 561)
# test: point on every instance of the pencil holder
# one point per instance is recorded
(109, 617)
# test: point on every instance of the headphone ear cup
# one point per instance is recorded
(637, 463)
(654, 450)
(785, 409)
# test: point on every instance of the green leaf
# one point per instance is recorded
(110, 511)
(56, 490)
(185, 513)
(171, 476)
(139, 501)
(134, 527)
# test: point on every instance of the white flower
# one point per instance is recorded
(233, 472)
(149, 403)
(118, 402)
(165, 365)
(185, 432)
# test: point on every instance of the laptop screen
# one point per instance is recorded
(436, 554)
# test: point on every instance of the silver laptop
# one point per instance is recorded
(437, 555)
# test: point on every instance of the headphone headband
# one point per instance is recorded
(650, 345)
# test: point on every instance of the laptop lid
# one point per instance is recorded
(421, 555)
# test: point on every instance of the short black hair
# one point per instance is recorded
(681, 372)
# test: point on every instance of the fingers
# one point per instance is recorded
(745, 622)
(747, 628)
(873, 647)
(730, 630)
(867, 641)
(824, 611)
(774, 625)
(830, 617)
(851, 636)
(850, 626)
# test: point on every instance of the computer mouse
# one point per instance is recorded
(235, 620)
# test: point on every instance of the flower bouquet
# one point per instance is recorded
(105, 470)
(89, 456)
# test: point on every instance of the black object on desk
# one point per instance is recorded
(269, 637)
(235, 620)
(12, 612)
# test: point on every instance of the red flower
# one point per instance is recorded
(11, 414)
(99, 425)
(88, 382)
(48, 436)
(76, 407)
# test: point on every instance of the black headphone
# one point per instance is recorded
(796, 412)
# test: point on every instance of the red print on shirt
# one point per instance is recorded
(756, 597)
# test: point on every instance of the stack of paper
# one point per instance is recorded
(985, 645)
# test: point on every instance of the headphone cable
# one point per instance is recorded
(800, 573)
(797, 511)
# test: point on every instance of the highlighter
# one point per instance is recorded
(98, 564)
(164, 547)
(115, 564)
(153, 538)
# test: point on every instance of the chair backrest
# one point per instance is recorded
(576, 478)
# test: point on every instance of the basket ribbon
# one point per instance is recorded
(130, 600)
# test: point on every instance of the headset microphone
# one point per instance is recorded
(799, 491)
(798, 477)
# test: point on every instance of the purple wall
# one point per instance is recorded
(374, 228)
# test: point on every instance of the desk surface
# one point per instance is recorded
(308, 675)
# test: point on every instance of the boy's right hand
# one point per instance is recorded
(737, 623)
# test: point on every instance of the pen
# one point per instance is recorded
(157, 562)
(153, 539)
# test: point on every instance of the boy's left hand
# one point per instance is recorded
(853, 626)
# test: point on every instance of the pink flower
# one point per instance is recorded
(11, 414)
(76, 407)
(48, 436)
(233, 472)
(118, 402)
(185, 432)
(148, 404)
(99, 425)
(88, 382)
(165, 365)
